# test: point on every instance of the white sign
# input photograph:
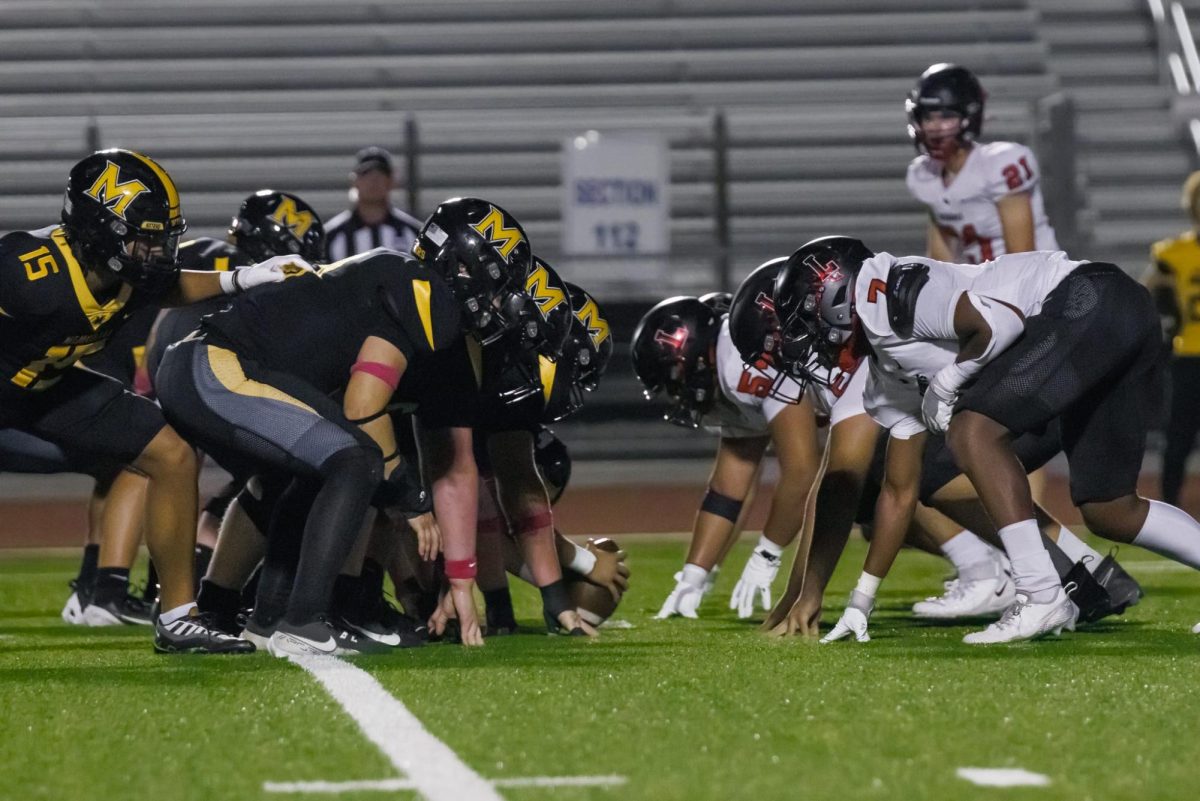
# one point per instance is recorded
(616, 203)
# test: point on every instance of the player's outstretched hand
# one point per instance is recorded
(755, 582)
(271, 271)
(853, 621)
(610, 571)
(684, 600)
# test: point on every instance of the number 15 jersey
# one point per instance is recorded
(966, 209)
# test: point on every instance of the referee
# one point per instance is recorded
(373, 222)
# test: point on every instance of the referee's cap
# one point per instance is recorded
(373, 158)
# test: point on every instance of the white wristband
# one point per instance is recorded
(228, 285)
(583, 562)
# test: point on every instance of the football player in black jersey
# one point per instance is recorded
(66, 290)
(253, 388)
(516, 501)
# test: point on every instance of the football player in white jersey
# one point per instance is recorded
(987, 353)
(984, 199)
(683, 349)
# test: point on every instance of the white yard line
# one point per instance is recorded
(432, 768)
(395, 785)
(1003, 777)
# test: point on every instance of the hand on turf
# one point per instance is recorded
(458, 603)
(570, 620)
(937, 404)
(755, 582)
(271, 271)
(853, 621)
(803, 620)
(684, 600)
(429, 535)
(610, 571)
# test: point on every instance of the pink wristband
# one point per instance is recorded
(385, 373)
(535, 522)
(460, 568)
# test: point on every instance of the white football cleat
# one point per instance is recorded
(1196, 629)
(684, 600)
(72, 612)
(1025, 620)
(710, 581)
(983, 596)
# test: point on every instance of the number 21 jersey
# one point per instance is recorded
(966, 209)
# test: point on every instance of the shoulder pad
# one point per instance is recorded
(904, 284)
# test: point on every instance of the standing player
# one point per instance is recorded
(1174, 278)
(989, 353)
(983, 198)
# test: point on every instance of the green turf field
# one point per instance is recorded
(690, 710)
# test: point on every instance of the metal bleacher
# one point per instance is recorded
(235, 95)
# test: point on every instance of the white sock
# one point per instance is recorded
(694, 575)
(178, 613)
(965, 549)
(768, 546)
(1077, 549)
(1171, 532)
(1033, 572)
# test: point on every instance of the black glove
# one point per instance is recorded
(405, 491)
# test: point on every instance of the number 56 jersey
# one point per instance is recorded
(966, 209)
(744, 406)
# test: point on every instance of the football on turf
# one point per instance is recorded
(594, 603)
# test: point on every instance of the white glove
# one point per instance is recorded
(684, 600)
(710, 580)
(271, 271)
(756, 579)
(853, 621)
(937, 404)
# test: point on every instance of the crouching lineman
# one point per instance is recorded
(67, 289)
(684, 349)
(517, 501)
(989, 353)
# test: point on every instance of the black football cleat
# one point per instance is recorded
(1122, 588)
(126, 610)
(78, 601)
(321, 638)
(196, 634)
(1088, 594)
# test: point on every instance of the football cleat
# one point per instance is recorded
(985, 593)
(1025, 620)
(72, 611)
(1122, 588)
(320, 638)
(258, 633)
(128, 610)
(195, 634)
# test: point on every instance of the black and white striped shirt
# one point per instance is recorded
(347, 235)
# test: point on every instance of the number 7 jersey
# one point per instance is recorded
(966, 209)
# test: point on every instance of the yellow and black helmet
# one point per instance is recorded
(271, 223)
(122, 211)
